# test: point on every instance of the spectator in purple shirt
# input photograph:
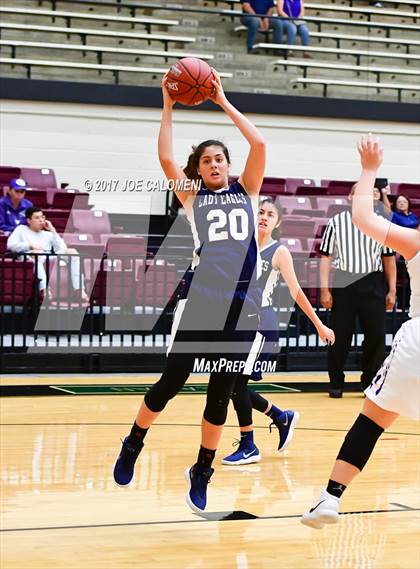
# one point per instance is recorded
(254, 24)
(13, 206)
(292, 12)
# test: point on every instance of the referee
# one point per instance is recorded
(359, 290)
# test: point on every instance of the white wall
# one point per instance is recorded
(99, 142)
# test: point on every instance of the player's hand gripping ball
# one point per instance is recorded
(189, 81)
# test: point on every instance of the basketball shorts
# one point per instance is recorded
(269, 328)
(215, 331)
(396, 386)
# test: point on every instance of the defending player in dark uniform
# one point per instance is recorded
(276, 262)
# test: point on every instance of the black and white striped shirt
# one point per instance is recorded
(355, 252)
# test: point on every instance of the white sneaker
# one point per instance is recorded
(324, 511)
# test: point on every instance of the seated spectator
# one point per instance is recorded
(292, 12)
(13, 206)
(402, 214)
(254, 24)
(40, 236)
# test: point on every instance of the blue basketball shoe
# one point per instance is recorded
(124, 466)
(197, 477)
(285, 423)
(247, 453)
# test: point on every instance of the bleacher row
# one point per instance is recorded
(120, 270)
(399, 54)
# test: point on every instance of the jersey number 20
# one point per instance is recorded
(235, 223)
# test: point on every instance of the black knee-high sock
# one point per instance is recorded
(137, 435)
(205, 457)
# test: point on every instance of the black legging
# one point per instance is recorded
(245, 399)
(174, 377)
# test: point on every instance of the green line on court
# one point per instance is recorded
(140, 389)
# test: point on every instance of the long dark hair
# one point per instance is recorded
(276, 233)
(191, 168)
(394, 205)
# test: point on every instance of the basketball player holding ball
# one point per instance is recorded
(395, 390)
(221, 311)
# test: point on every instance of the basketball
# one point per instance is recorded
(190, 81)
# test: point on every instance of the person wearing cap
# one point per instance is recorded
(13, 206)
(40, 241)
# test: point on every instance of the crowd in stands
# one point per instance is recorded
(28, 233)
(289, 21)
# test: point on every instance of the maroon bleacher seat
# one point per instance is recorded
(108, 283)
(297, 226)
(290, 203)
(7, 173)
(320, 225)
(309, 280)
(63, 199)
(16, 281)
(126, 247)
(93, 221)
(3, 243)
(325, 202)
(272, 187)
(297, 246)
(314, 247)
(39, 177)
(309, 212)
(410, 190)
(59, 284)
(85, 244)
(338, 187)
(155, 283)
(311, 191)
(38, 197)
(59, 218)
(292, 184)
(335, 209)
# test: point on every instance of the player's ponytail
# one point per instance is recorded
(193, 161)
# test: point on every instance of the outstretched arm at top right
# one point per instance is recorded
(405, 241)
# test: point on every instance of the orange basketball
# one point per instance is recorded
(189, 81)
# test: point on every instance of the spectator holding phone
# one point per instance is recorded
(381, 203)
(40, 236)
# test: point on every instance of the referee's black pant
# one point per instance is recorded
(363, 298)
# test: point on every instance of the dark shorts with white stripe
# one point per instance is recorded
(218, 327)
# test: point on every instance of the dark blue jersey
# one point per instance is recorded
(269, 277)
(226, 252)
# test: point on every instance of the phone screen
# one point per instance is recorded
(381, 183)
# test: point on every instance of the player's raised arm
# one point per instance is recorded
(405, 241)
(283, 262)
(252, 176)
(171, 169)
